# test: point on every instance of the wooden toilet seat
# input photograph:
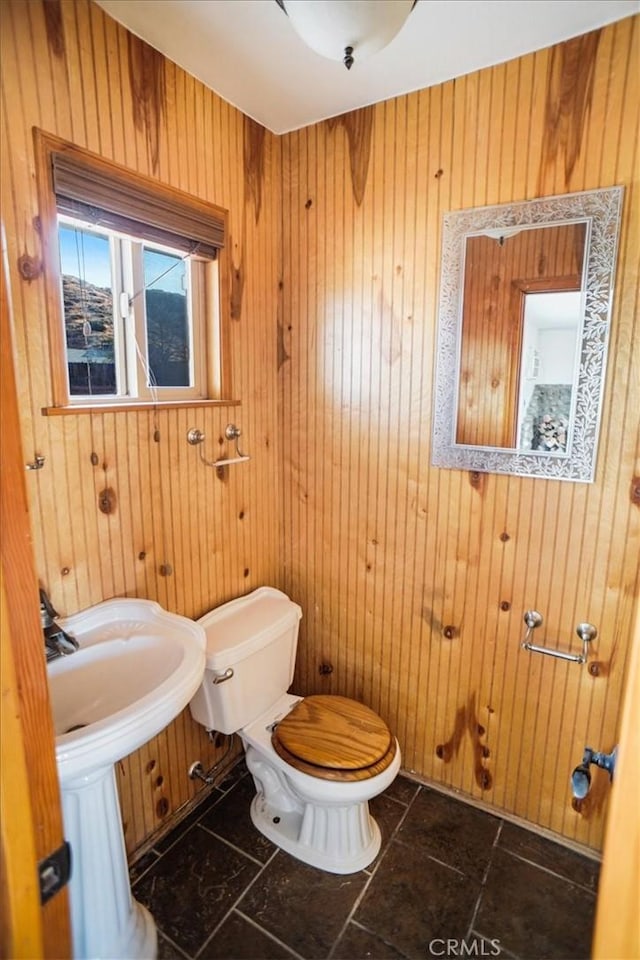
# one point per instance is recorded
(334, 738)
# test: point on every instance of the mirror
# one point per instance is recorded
(525, 300)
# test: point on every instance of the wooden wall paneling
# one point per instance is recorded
(470, 497)
(497, 122)
(308, 465)
(407, 721)
(343, 530)
(116, 497)
(371, 546)
(353, 452)
(526, 164)
(141, 428)
(493, 600)
(74, 73)
(498, 713)
(88, 69)
(448, 648)
(563, 549)
(175, 507)
(610, 558)
(131, 507)
(106, 35)
(68, 13)
(291, 318)
(70, 498)
(99, 560)
(415, 212)
(400, 619)
(397, 467)
(96, 65)
(420, 749)
(513, 705)
(19, 239)
(214, 520)
(89, 466)
(33, 805)
(23, 239)
(303, 569)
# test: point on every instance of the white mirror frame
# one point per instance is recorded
(601, 211)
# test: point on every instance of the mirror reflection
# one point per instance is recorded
(548, 367)
(505, 275)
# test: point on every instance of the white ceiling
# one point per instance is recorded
(247, 51)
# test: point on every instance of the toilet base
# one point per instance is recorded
(332, 832)
(336, 839)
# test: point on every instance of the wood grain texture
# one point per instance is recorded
(413, 581)
(70, 70)
(334, 732)
(20, 914)
(617, 929)
(32, 826)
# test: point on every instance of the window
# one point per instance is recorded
(135, 314)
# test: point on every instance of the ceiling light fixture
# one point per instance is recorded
(347, 29)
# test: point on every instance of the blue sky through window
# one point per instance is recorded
(85, 255)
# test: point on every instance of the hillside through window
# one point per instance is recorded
(132, 315)
(133, 279)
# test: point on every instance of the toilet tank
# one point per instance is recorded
(250, 659)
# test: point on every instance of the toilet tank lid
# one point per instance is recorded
(238, 628)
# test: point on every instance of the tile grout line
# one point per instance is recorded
(212, 833)
(236, 902)
(173, 944)
(472, 928)
(204, 803)
(553, 873)
(271, 936)
(159, 854)
(373, 933)
(494, 847)
(503, 952)
(370, 877)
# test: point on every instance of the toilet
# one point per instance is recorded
(315, 761)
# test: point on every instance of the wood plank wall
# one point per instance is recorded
(72, 71)
(414, 580)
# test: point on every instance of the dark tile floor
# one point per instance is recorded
(450, 881)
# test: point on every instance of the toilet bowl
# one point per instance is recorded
(315, 761)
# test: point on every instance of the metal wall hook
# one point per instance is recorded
(586, 631)
(36, 464)
(196, 437)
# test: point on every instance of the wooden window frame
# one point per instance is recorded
(217, 310)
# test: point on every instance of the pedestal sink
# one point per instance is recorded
(136, 668)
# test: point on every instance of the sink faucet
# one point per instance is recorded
(57, 643)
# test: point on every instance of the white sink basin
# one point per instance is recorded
(137, 668)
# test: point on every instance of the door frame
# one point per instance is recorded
(30, 809)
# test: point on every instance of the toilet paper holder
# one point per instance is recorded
(586, 631)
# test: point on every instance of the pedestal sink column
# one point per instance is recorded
(136, 667)
(107, 923)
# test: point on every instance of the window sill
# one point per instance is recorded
(134, 406)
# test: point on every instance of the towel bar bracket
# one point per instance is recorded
(196, 437)
(586, 631)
